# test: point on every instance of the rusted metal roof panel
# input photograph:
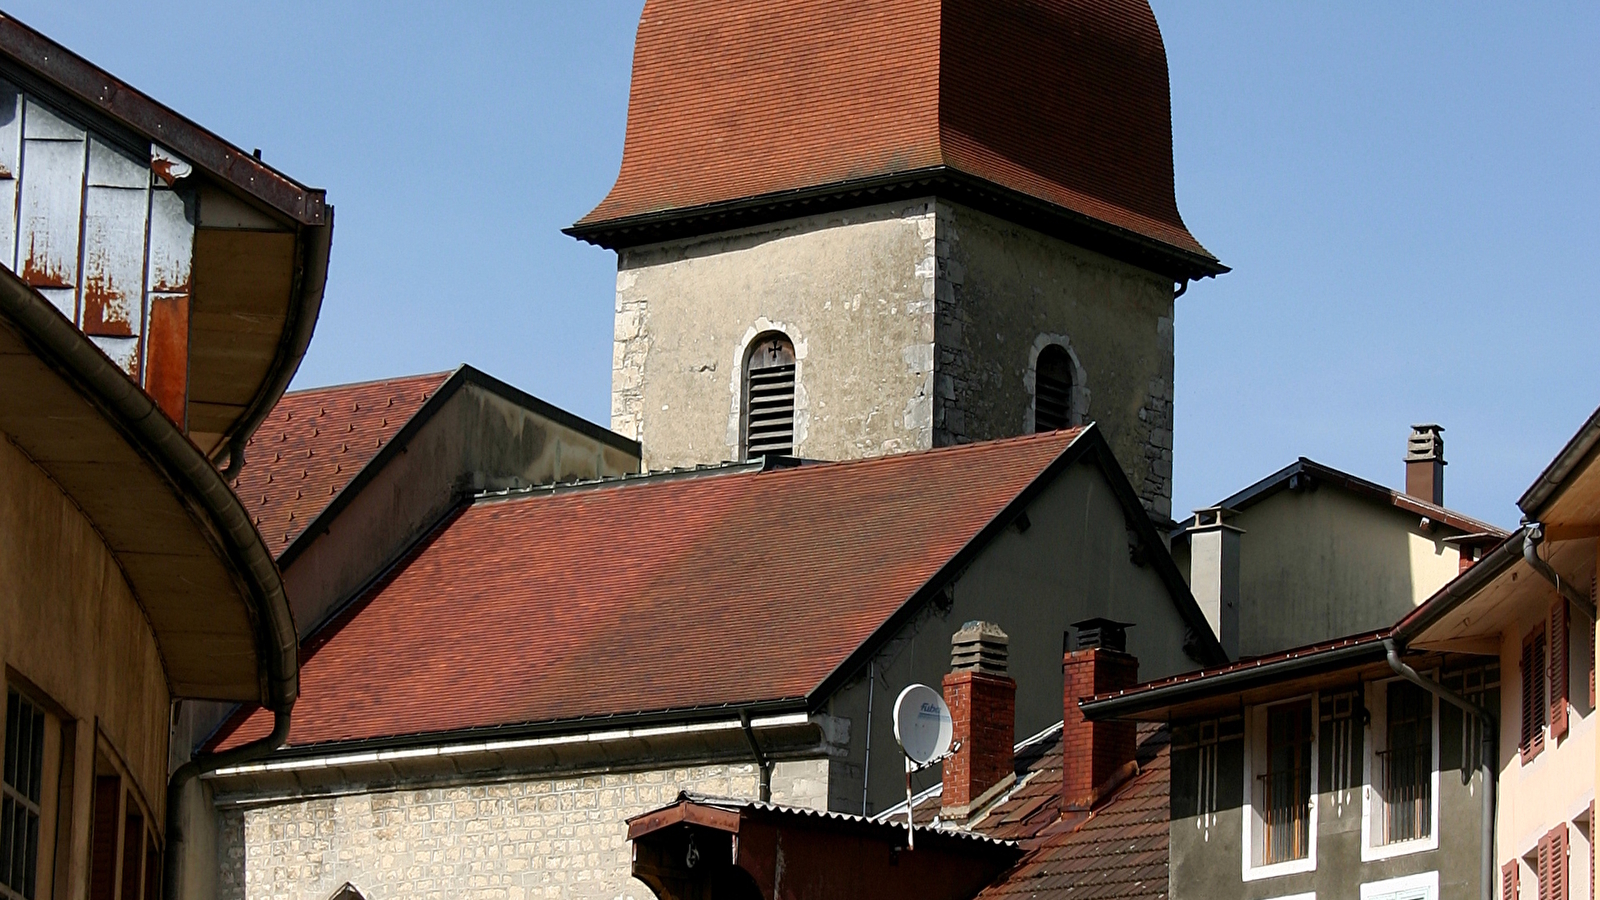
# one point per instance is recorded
(89, 84)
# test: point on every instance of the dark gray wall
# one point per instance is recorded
(1071, 564)
(1206, 850)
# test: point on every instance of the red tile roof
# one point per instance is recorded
(651, 595)
(1065, 101)
(1119, 851)
(313, 442)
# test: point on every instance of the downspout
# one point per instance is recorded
(202, 764)
(1530, 552)
(1487, 758)
(763, 765)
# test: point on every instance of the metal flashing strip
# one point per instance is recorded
(592, 737)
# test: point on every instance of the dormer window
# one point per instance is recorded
(769, 388)
(1052, 389)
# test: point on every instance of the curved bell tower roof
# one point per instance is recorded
(1053, 113)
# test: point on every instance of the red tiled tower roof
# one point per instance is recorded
(313, 442)
(1063, 103)
(650, 595)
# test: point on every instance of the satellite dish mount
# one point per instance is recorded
(923, 729)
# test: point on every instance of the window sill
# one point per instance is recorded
(1400, 848)
(1278, 870)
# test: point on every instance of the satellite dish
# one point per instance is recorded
(922, 724)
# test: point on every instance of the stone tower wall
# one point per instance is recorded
(915, 325)
(1004, 292)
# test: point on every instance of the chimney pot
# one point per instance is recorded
(1425, 464)
(1103, 633)
(980, 647)
(983, 704)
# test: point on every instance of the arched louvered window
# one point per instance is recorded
(768, 424)
(1052, 389)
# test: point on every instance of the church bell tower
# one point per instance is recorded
(851, 229)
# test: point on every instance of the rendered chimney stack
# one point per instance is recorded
(1214, 574)
(983, 710)
(1425, 464)
(1096, 756)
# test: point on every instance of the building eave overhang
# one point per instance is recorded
(1265, 672)
(40, 64)
(1126, 245)
(1550, 483)
(163, 511)
(1283, 479)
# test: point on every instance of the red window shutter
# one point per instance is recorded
(1508, 881)
(1558, 669)
(1557, 865)
(1542, 867)
(1533, 698)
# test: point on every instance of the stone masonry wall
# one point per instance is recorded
(854, 292)
(549, 838)
(1003, 291)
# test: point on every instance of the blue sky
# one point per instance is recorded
(1407, 192)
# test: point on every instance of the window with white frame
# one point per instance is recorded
(1401, 808)
(1281, 780)
(1423, 886)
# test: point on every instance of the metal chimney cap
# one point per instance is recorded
(1104, 633)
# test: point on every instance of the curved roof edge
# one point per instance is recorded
(216, 514)
(943, 181)
(316, 244)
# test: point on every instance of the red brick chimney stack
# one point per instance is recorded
(1096, 756)
(983, 707)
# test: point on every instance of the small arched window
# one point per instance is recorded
(1052, 389)
(768, 424)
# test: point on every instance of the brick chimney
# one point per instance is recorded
(1425, 464)
(983, 710)
(1096, 756)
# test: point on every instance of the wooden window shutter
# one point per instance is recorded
(1541, 867)
(1508, 881)
(1558, 668)
(1533, 703)
(1556, 866)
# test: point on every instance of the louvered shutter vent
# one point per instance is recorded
(769, 399)
(1541, 867)
(1052, 390)
(1558, 669)
(1508, 881)
(1533, 704)
(1557, 864)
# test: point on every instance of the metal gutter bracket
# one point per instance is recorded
(1530, 552)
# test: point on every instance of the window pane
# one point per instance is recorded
(1286, 786)
(1052, 390)
(19, 808)
(1406, 765)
